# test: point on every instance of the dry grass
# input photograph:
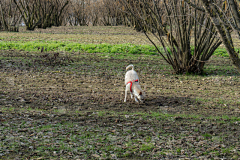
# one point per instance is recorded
(97, 35)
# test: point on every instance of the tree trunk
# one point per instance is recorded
(5, 26)
(224, 32)
(28, 10)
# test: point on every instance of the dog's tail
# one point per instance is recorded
(129, 66)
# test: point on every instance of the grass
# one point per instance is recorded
(147, 147)
(76, 47)
(207, 136)
(67, 46)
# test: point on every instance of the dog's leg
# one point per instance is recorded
(125, 99)
(135, 99)
(131, 95)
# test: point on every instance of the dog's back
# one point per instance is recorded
(130, 75)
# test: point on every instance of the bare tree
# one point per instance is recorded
(10, 16)
(109, 12)
(173, 23)
(59, 10)
(41, 13)
(94, 12)
(52, 12)
(44, 13)
(27, 9)
(226, 17)
(77, 13)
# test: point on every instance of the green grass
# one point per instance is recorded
(207, 136)
(147, 147)
(88, 48)
(76, 47)
(221, 52)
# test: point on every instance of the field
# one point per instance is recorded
(58, 104)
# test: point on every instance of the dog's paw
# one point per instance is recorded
(136, 100)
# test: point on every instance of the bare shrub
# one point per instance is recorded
(10, 16)
(188, 38)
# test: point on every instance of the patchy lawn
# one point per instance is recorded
(70, 106)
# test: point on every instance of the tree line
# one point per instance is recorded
(189, 31)
(47, 13)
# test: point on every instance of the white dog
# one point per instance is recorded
(132, 85)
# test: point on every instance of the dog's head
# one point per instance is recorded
(138, 92)
(140, 96)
